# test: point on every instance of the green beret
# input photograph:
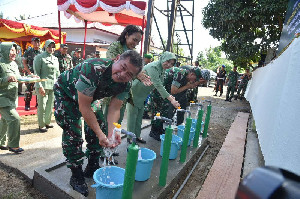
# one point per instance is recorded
(148, 56)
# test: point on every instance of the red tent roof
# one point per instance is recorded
(105, 11)
(22, 33)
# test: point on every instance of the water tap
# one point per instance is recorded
(208, 101)
(200, 106)
(169, 121)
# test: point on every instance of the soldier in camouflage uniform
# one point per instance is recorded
(243, 85)
(76, 58)
(64, 59)
(75, 91)
(178, 84)
(28, 58)
(232, 85)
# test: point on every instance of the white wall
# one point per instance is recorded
(77, 35)
(274, 96)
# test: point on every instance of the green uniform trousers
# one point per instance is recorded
(45, 106)
(10, 125)
(230, 92)
(134, 119)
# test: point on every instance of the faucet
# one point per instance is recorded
(169, 121)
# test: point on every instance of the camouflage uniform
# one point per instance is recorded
(76, 60)
(92, 78)
(177, 78)
(233, 77)
(65, 61)
(29, 55)
(220, 81)
(243, 86)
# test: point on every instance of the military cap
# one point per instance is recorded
(148, 56)
(78, 50)
(64, 46)
(35, 39)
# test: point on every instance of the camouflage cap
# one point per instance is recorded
(35, 39)
(78, 50)
(64, 46)
(197, 71)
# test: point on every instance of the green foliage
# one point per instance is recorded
(22, 17)
(212, 59)
(246, 28)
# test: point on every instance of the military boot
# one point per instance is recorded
(27, 105)
(91, 167)
(77, 181)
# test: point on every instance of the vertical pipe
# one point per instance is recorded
(129, 177)
(186, 136)
(207, 118)
(59, 27)
(143, 27)
(85, 28)
(148, 26)
(198, 128)
(165, 158)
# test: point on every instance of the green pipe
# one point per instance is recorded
(198, 128)
(165, 158)
(129, 177)
(186, 136)
(207, 118)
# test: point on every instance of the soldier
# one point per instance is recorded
(64, 59)
(77, 57)
(75, 91)
(147, 58)
(10, 119)
(243, 85)
(97, 54)
(46, 66)
(221, 75)
(232, 85)
(178, 84)
(139, 92)
(28, 58)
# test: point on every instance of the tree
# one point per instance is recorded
(212, 59)
(246, 28)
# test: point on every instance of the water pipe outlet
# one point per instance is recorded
(169, 121)
(130, 134)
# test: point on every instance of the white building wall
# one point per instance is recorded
(274, 96)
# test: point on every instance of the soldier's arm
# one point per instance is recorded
(113, 116)
(87, 113)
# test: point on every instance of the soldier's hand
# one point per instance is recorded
(144, 78)
(42, 91)
(12, 79)
(103, 141)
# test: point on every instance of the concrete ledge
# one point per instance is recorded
(224, 176)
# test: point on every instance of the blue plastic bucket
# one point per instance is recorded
(175, 146)
(109, 182)
(194, 123)
(144, 165)
(180, 133)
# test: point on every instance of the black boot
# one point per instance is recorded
(156, 130)
(27, 105)
(91, 167)
(77, 181)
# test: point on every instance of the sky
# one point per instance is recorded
(202, 39)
